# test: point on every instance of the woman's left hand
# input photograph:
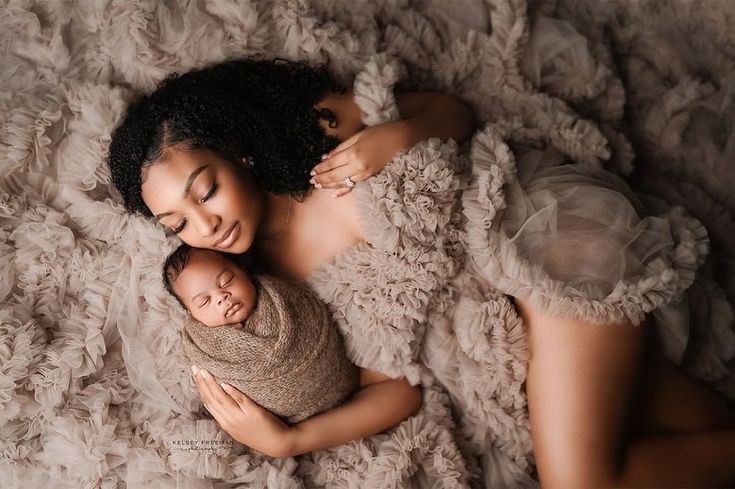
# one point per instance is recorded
(243, 419)
(360, 156)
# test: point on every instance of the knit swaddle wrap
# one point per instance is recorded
(289, 357)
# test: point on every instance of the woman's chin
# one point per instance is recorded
(239, 247)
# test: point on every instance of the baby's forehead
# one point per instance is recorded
(201, 267)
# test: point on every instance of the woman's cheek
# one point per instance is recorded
(193, 240)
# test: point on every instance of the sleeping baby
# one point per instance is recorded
(272, 339)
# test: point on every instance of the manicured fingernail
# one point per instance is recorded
(312, 181)
(312, 173)
(194, 369)
(203, 373)
(224, 386)
(324, 157)
(317, 185)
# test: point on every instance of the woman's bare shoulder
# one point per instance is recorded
(320, 228)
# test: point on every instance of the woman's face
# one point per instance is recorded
(204, 199)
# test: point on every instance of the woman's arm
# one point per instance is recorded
(434, 115)
(364, 153)
(381, 403)
(376, 407)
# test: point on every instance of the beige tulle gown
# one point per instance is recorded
(451, 235)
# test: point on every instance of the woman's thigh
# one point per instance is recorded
(581, 382)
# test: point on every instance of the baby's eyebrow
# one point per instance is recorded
(216, 281)
(193, 299)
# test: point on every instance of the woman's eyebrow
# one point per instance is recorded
(191, 179)
(187, 188)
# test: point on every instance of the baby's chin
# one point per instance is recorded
(237, 325)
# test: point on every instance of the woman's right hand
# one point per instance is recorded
(242, 418)
(424, 115)
(361, 156)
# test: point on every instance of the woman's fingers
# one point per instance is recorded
(216, 400)
(328, 161)
(325, 170)
(328, 164)
(346, 165)
(339, 176)
(241, 399)
(332, 177)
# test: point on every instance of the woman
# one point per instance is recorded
(580, 438)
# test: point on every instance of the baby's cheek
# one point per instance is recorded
(202, 318)
(247, 294)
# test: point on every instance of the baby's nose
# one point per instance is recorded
(224, 297)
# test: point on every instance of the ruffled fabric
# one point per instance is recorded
(373, 89)
(574, 240)
(571, 237)
(406, 308)
(409, 215)
(577, 242)
(417, 453)
(89, 347)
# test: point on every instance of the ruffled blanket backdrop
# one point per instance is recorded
(79, 281)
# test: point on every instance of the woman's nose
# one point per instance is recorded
(206, 224)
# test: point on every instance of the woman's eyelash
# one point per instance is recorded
(178, 228)
(209, 194)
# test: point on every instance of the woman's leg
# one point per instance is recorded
(671, 402)
(581, 384)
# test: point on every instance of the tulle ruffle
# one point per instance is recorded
(573, 239)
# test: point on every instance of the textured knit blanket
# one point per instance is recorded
(287, 356)
(94, 388)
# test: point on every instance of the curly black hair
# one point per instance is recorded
(261, 110)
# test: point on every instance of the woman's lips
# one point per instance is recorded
(229, 237)
(233, 309)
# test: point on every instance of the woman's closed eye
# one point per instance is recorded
(178, 228)
(207, 196)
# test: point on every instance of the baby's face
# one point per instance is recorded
(214, 290)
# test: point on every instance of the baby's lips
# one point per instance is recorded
(237, 305)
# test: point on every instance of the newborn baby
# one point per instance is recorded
(272, 339)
